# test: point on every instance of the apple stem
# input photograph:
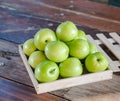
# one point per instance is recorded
(46, 41)
(52, 71)
(98, 60)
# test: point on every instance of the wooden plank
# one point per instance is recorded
(81, 80)
(54, 12)
(99, 42)
(87, 91)
(6, 47)
(79, 6)
(12, 91)
(105, 97)
(86, 8)
(18, 22)
(117, 64)
(18, 26)
(11, 65)
(115, 36)
(115, 50)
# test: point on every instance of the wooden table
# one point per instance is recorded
(20, 19)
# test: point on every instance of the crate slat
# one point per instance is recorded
(29, 69)
(110, 40)
(117, 64)
(114, 49)
(115, 36)
(74, 81)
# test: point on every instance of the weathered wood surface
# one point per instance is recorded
(82, 12)
(20, 19)
(11, 91)
(18, 26)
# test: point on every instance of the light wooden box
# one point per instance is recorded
(80, 80)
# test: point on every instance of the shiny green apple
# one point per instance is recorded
(47, 71)
(56, 51)
(43, 37)
(96, 62)
(92, 48)
(79, 48)
(29, 47)
(66, 31)
(70, 67)
(35, 58)
(81, 35)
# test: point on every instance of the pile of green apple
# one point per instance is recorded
(62, 54)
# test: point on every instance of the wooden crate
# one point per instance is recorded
(85, 78)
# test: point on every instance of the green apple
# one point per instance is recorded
(92, 48)
(29, 47)
(70, 67)
(79, 48)
(66, 31)
(35, 58)
(96, 62)
(81, 35)
(47, 71)
(56, 51)
(43, 37)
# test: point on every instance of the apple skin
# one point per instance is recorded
(96, 62)
(43, 37)
(79, 48)
(56, 51)
(81, 35)
(92, 48)
(66, 31)
(70, 67)
(35, 58)
(47, 71)
(29, 47)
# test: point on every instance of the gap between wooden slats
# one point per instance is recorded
(113, 48)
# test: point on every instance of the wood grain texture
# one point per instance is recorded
(20, 19)
(105, 97)
(11, 91)
(12, 66)
(19, 26)
(82, 12)
(87, 91)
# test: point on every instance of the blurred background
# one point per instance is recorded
(109, 2)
